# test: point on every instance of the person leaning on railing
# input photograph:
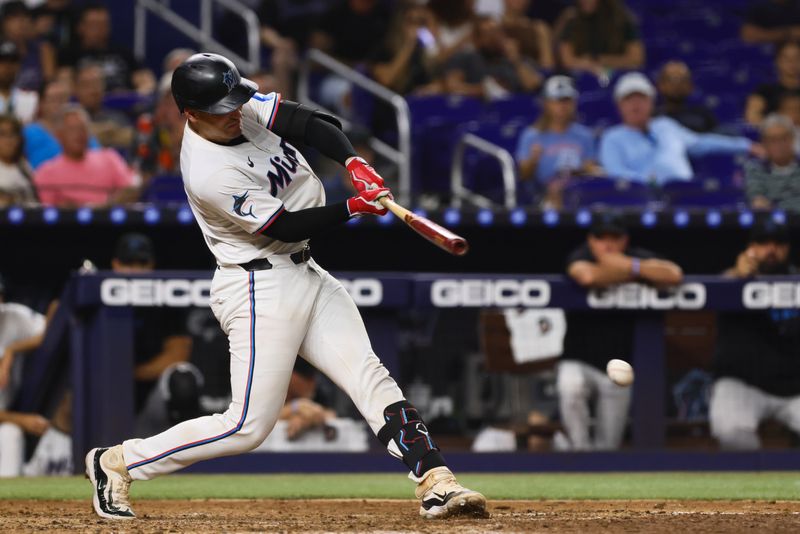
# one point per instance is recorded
(756, 363)
(774, 182)
(592, 339)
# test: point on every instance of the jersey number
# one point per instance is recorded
(282, 169)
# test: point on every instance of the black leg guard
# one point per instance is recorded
(405, 427)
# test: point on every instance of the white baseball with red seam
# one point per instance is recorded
(620, 372)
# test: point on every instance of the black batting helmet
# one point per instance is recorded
(210, 83)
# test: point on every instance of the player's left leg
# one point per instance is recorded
(337, 344)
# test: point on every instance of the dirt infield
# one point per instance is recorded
(671, 517)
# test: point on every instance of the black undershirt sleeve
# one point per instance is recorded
(301, 124)
(294, 226)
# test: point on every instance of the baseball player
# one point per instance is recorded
(258, 202)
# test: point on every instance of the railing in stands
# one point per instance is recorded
(202, 34)
(400, 156)
(502, 155)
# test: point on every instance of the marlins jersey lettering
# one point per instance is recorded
(237, 191)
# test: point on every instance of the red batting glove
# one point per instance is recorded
(367, 202)
(362, 175)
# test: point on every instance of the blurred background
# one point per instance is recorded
(626, 173)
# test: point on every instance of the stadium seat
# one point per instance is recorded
(605, 191)
(165, 189)
(701, 193)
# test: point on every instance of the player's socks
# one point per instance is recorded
(105, 469)
(441, 496)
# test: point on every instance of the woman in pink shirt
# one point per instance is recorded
(80, 176)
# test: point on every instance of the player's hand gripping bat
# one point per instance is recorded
(438, 235)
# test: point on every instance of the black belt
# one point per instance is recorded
(263, 264)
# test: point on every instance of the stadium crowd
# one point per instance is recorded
(77, 103)
(84, 122)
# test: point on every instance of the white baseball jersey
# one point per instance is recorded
(238, 190)
(17, 322)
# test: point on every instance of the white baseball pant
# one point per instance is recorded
(738, 408)
(577, 384)
(270, 317)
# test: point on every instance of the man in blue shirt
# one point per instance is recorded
(655, 150)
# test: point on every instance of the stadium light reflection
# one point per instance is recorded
(185, 215)
(681, 219)
(518, 217)
(746, 219)
(84, 215)
(452, 217)
(649, 219)
(485, 217)
(118, 215)
(16, 215)
(152, 215)
(583, 217)
(550, 217)
(50, 215)
(713, 218)
(779, 217)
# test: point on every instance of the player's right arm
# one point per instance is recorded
(245, 203)
(301, 124)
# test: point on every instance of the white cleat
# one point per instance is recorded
(105, 469)
(442, 496)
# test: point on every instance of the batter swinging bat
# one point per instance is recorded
(438, 235)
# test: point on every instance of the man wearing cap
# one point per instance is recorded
(774, 182)
(13, 100)
(556, 147)
(655, 150)
(167, 385)
(593, 339)
(756, 363)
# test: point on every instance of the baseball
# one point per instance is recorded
(620, 372)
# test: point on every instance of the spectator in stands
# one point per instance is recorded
(674, 89)
(592, 339)
(168, 386)
(766, 98)
(404, 62)
(123, 72)
(775, 181)
(598, 36)
(790, 107)
(41, 143)
(55, 21)
(756, 365)
(349, 31)
(555, 147)
(14, 100)
(266, 81)
(111, 127)
(301, 410)
(772, 21)
(494, 69)
(533, 37)
(290, 20)
(654, 150)
(453, 27)
(81, 176)
(161, 154)
(175, 57)
(38, 57)
(16, 186)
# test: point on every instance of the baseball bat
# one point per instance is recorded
(438, 235)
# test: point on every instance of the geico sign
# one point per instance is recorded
(364, 291)
(144, 292)
(638, 296)
(453, 293)
(761, 295)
